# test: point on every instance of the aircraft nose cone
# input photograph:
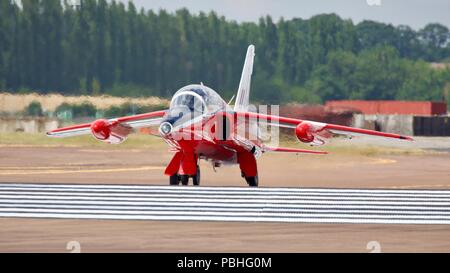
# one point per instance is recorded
(165, 128)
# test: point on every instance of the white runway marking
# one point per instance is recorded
(296, 205)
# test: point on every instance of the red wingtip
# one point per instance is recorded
(407, 138)
(317, 152)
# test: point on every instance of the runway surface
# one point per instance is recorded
(309, 205)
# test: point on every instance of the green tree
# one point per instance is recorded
(34, 109)
(435, 38)
(111, 47)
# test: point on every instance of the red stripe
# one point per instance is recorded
(119, 120)
(74, 127)
(142, 116)
(292, 121)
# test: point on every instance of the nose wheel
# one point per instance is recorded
(184, 180)
(175, 179)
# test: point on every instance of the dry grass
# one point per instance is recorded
(20, 139)
(15, 103)
(336, 146)
(143, 141)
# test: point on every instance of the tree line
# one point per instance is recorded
(110, 47)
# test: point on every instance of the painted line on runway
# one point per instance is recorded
(221, 192)
(291, 205)
(108, 187)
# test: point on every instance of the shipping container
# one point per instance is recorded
(317, 113)
(431, 126)
(420, 108)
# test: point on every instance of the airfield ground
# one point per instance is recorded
(423, 164)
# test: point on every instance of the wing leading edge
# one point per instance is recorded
(294, 150)
(318, 127)
(131, 122)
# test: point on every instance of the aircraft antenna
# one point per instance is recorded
(231, 100)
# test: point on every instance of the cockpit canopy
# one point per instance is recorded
(190, 101)
(197, 98)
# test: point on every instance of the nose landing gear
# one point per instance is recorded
(175, 179)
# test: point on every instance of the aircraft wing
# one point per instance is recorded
(314, 132)
(293, 150)
(117, 126)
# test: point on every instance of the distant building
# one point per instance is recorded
(419, 118)
(390, 107)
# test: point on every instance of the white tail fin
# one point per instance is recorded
(243, 95)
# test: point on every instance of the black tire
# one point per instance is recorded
(174, 180)
(184, 180)
(196, 177)
(252, 181)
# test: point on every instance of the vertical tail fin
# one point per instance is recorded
(243, 95)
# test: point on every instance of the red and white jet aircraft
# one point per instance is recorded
(199, 124)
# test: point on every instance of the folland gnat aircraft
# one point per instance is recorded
(199, 124)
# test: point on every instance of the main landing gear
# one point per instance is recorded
(252, 181)
(184, 179)
(187, 164)
(249, 170)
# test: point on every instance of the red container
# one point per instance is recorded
(390, 107)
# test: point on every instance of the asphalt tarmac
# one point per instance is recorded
(88, 166)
